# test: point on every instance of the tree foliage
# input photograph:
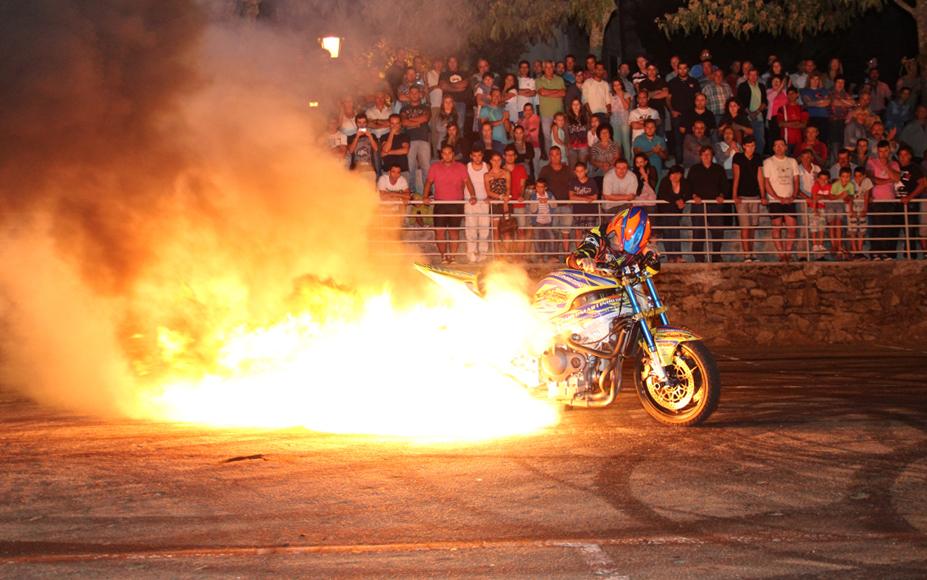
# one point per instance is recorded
(741, 18)
(525, 19)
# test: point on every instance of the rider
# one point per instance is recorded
(624, 236)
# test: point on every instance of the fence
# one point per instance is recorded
(705, 231)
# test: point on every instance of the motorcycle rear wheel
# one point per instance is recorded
(695, 394)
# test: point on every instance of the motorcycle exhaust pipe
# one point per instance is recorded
(597, 402)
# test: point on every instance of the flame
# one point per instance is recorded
(440, 369)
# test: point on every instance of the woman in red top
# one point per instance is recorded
(518, 179)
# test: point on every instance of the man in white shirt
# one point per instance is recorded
(619, 186)
(477, 221)
(527, 92)
(595, 91)
(394, 191)
(782, 186)
(643, 112)
(378, 123)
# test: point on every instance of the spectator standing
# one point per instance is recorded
(747, 192)
(815, 145)
(914, 134)
(583, 195)
(647, 179)
(884, 173)
(410, 79)
(781, 185)
(346, 113)
(577, 128)
(596, 93)
(619, 188)
(708, 183)
(532, 124)
(673, 193)
(551, 90)
(880, 92)
(394, 147)
(693, 144)
(681, 104)
(517, 185)
(799, 80)
(477, 220)
(641, 73)
(735, 118)
(378, 115)
(363, 148)
(816, 101)
(454, 139)
(619, 107)
(699, 113)
(834, 71)
(575, 90)
(913, 186)
(642, 113)
(527, 90)
(900, 111)
(488, 142)
(558, 176)
(752, 97)
(415, 116)
(393, 188)
(524, 151)
(558, 134)
(842, 192)
(435, 96)
(651, 145)
(482, 92)
(544, 207)
(858, 212)
(855, 129)
(860, 154)
(843, 162)
(658, 93)
(792, 120)
(494, 114)
(453, 83)
(841, 103)
(445, 116)
(510, 98)
(718, 93)
(726, 149)
(603, 154)
(450, 181)
(777, 98)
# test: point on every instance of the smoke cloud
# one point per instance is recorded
(159, 184)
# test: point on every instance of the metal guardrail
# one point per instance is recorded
(695, 229)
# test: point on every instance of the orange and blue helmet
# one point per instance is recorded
(629, 231)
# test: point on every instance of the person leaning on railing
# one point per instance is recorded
(672, 193)
(709, 183)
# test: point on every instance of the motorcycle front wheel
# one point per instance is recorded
(690, 396)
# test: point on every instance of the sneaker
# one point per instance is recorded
(877, 258)
(888, 258)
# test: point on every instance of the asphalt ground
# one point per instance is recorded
(814, 465)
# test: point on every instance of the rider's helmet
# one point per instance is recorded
(629, 231)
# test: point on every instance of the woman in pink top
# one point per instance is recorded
(884, 209)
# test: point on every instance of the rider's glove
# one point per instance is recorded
(586, 264)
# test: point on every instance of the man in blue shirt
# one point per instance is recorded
(496, 115)
(651, 145)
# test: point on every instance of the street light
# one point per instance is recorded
(332, 44)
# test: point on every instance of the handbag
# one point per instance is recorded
(508, 225)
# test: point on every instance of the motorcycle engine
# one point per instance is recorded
(567, 373)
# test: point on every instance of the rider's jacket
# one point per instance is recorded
(596, 246)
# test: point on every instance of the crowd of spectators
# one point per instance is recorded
(559, 146)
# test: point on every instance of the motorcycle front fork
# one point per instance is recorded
(656, 361)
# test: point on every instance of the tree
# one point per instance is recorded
(524, 19)
(793, 18)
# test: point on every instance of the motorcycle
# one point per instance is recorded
(605, 318)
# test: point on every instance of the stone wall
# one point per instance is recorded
(799, 304)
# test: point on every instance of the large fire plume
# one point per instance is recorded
(199, 260)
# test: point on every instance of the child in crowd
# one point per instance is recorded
(835, 209)
(544, 234)
(857, 208)
(558, 134)
(820, 191)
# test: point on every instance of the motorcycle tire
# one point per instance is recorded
(695, 367)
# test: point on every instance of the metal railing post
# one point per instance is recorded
(706, 246)
(907, 233)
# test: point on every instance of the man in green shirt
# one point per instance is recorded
(551, 90)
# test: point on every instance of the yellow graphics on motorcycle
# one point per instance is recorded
(570, 296)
